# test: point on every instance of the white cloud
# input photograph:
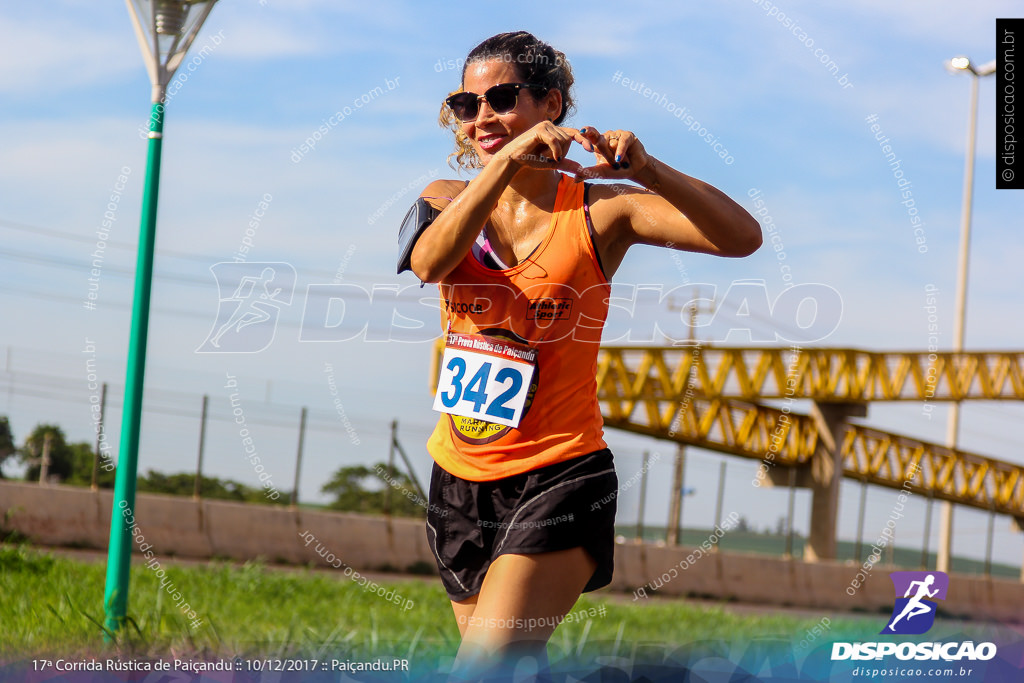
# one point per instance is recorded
(58, 54)
(253, 37)
(955, 23)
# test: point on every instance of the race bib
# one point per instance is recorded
(485, 378)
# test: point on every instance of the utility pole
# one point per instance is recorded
(391, 465)
(675, 508)
(44, 465)
(694, 308)
(298, 457)
(721, 494)
(197, 487)
(675, 512)
(961, 64)
(643, 499)
(100, 437)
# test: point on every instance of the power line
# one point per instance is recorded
(166, 394)
(206, 260)
(347, 328)
(50, 260)
(323, 416)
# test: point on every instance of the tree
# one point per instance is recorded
(69, 463)
(183, 484)
(7, 447)
(781, 526)
(352, 491)
(83, 457)
(60, 455)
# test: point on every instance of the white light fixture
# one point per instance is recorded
(964, 64)
(166, 29)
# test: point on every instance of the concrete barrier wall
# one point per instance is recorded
(770, 580)
(78, 517)
(174, 525)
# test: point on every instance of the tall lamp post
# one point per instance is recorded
(166, 29)
(961, 65)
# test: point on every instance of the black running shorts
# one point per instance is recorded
(561, 506)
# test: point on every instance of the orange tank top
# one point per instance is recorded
(555, 301)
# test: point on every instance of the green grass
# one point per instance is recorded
(53, 606)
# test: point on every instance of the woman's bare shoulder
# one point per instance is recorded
(443, 188)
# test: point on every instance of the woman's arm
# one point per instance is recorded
(691, 214)
(447, 240)
(675, 210)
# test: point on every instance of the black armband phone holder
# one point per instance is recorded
(419, 217)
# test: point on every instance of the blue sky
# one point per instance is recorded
(74, 94)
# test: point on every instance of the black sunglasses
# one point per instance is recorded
(501, 98)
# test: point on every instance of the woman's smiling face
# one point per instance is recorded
(489, 132)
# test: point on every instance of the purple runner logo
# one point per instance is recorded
(247, 317)
(914, 613)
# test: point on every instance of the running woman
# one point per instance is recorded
(523, 254)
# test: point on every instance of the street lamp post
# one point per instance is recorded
(166, 29)
(961, 65)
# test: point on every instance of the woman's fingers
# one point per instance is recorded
(622, 140)
(549, 147)
(578, 136)
(619, 154)
(598, 144)
(570, 166)
(619, 142)
(611, 151)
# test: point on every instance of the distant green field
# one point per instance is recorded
(774, 544)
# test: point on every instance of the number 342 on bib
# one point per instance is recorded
(484, 378)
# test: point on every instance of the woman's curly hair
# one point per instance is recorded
(534, 61)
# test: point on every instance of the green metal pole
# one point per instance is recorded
(115, 598)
